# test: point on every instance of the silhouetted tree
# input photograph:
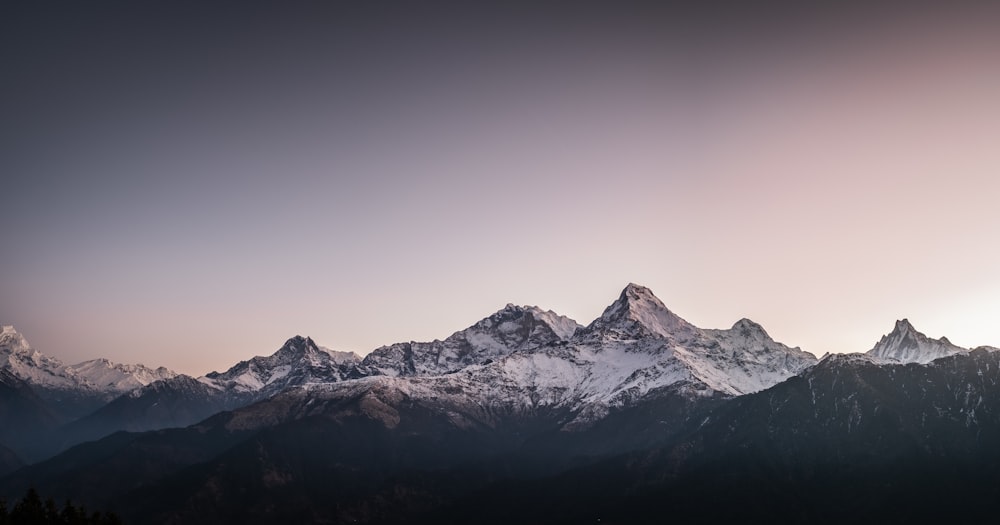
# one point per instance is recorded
(30, 510)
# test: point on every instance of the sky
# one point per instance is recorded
(187, 185)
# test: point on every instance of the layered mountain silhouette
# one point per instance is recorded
(534, 416)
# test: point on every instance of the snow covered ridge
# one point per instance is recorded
(520, 358)
(514, 328)
(97, 375)
(515, 364)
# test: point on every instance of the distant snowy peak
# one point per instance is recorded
(750, 331)
(513, 328)
(638, 313)
(906, 345)
(27, 363)
(97, 375)
(297, 349)
(299, 361)
(105, 374)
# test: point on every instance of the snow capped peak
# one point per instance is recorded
(29, 364)
(299, 361)
(748, 328)
(638, 312)
(299, 349)
(512, 328)
(637, 290)
(304, 348)
(13, 342)
(906, 345)
(100, 376)
(298, 346)
(513, 318)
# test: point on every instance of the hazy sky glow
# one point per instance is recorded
(189, 187)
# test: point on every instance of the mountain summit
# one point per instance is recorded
(906, 345)
(638, 313)
(300, 361)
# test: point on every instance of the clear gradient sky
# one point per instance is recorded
(188, 186)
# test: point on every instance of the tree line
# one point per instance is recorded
(32, 510)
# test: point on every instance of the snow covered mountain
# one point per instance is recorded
(514, 328)
(640, 402)
(300, 361)
(906, 345)
(636, 349)
(183, 400)
(636, 346)
(639, 314)
(99, 379)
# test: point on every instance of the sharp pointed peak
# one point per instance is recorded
(906, 344)
(8, 331)
(636, 311)
(13, 340)
(636, 290)
(902, 330)
(638, 296)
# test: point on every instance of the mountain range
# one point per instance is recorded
(634, 406)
